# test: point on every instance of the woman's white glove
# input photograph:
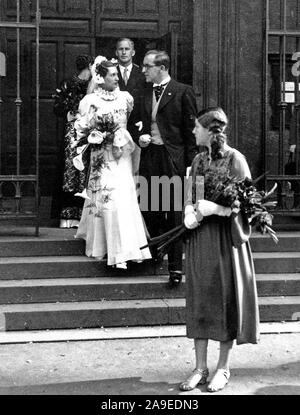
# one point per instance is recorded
(190, 220)
(207, 208)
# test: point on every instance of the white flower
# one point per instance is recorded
(81, 125)
(73, 142)
(83, 194)
(78, 163)
(96, 137)
(96, 77)
(99, 59)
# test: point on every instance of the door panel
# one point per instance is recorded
(57, 62)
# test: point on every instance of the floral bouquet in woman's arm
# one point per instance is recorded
(236, 194)
(243, 195)
(93, 130)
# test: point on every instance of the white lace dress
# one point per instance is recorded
(111, 221)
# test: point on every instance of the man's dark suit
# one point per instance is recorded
(176, 120)
(135, 82)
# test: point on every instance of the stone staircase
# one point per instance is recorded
(48, 283)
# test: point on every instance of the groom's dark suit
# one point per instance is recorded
(175, 120)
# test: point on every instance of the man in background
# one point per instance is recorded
(131, 78)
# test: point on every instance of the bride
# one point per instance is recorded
(111, 221)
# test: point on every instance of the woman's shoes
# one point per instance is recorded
(219, 381)
(198, 377)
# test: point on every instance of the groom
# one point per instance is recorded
(167, 111)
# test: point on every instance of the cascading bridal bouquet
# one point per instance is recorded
(95, 131)
(239, 195)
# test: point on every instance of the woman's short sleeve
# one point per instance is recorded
(84, 105)
(240, 168)
(240, 228)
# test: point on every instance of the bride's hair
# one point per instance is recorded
(216, 121)
(102, 68)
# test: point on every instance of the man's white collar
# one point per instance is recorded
(122, 68)
(164, 82)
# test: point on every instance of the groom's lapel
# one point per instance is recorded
(168, 95)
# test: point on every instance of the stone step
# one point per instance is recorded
(276, 262)
(15, 242)
(278, 284)
(121, 313)
(87, 289)
(288, 242)
(120, 288)
(80, 266)
(16, 268)
(41, 247)
(21, 242)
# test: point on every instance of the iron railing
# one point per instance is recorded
(19, 180)
(281, 36)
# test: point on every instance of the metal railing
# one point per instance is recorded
(18, 180)
(281, 36)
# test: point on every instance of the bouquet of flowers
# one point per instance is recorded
(68, 96)
(97, 130)
(243, 195)
(236, 194)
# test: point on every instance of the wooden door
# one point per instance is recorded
(57, 62)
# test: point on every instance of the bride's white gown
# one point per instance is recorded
(111, 221)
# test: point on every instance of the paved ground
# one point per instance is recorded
(145, 366)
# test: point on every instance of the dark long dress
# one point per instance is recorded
(221, 297)
(69, 180)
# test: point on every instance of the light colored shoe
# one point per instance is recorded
(219, 381)
(198, 377)
(122, 265)
(68, 223)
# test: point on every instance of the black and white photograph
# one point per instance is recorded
(149, 202)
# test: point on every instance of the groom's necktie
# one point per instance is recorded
(125, 76)
(158, 90)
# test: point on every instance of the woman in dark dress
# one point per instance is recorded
(71, 181)
(221, 296)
